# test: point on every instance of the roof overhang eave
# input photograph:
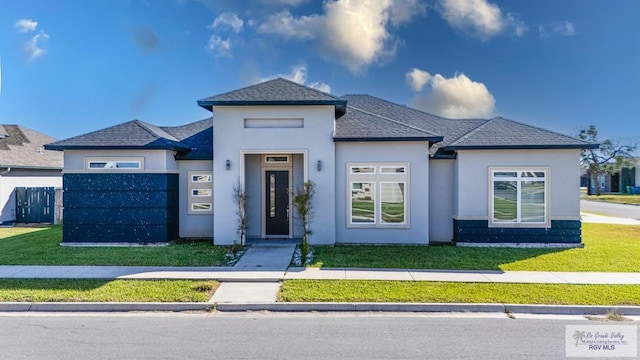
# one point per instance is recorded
(115, 147)
(520, 147)
(430, 139)
(340, 105)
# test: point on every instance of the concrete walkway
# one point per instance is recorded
(227, 274)
(601, 219)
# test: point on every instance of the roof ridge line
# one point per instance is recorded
(413, 109)
(393, 121)
(145, 126)
(472, 131)
(542, 129)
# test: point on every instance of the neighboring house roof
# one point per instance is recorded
(275, 92)
(133, 134)
(21, 147)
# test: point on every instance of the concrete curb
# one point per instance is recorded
(359, 307)
(429, 307)
(316, 307)
(103, 307)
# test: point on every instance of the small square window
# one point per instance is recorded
(201, 207)
(363, 170)
(200, 178)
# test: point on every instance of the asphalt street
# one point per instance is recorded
(281, 336)
(610, 209)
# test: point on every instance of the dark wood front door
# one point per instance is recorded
(277, 202)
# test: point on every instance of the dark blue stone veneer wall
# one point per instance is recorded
(136, 208)
(561, 231)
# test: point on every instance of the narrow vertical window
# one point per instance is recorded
(272, 195)
(392, 202)
(363, 203)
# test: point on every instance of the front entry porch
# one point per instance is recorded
(269, 180)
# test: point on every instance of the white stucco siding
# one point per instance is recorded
(313, 141)
(192, 225)
(472, 168)
(441, 199)
(23, 178)
(414, 153)
(154, 160)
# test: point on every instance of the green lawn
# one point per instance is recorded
(607, 248)
(448, 292)
(58, 290)
(41, 246)
(619, 199)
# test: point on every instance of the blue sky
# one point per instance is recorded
(70, 67)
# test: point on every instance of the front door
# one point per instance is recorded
(277, 202)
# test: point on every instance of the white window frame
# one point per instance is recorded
(518, 223)
(271, 159)
(377, 179)
(111, 163)
(194, 200)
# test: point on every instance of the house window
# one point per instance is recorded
(114, 163)
(276, 159)
(519, 197)
(378, 195)
(200, 187)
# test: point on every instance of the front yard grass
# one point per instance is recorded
(608, 248)
(618, 199)
(450, 292)
(62, 290)
(41, 246)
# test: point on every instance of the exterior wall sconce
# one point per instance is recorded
(227, 164)
(319, 165)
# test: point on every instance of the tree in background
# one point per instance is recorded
(610, 158)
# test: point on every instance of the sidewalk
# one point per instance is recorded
(266, 274)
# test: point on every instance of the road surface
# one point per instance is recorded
(281, 336)
(610, 209)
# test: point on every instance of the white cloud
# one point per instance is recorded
(298, 74)
(225, 22)
(479, 18)
(564, 28)
(417, 78)
(228, 20)
(455, 97)
(219, 47)
(25, 25)
(287, 26)
(32, 47)
(355, 33)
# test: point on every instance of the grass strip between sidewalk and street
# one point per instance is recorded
(41, 246)
(451, 292)
(63, 290)
(607, 248)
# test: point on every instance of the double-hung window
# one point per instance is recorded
(519, 197)
(378, 195)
